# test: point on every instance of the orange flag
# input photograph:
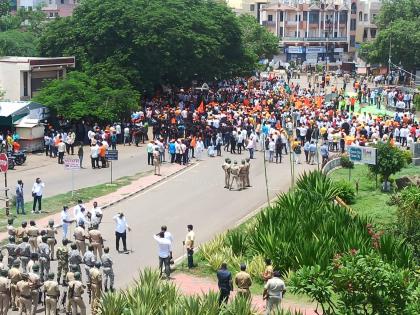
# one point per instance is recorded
(200, 108)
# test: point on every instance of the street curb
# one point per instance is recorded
(137, 191)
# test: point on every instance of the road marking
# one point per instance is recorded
(163, 182)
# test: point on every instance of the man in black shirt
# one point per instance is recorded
(225, 283)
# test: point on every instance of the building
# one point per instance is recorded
(314, 31)
(251, 7)
(22, 77)
(53, 8)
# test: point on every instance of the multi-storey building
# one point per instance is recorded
(53, 8)
(251, 7)
(319, 30)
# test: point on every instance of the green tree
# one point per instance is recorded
(390, 160)
(104, 97)
(258, 41)
(17, 43)
(166, 42)
(4, 7)
(399, 25)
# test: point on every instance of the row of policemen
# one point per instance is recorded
(26, 276)
(236, 173)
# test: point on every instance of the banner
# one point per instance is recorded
(362, 155)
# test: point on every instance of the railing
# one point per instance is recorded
(314, 39)
(331, 164)
(268, 23)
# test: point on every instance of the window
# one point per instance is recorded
(25, 84)
(366, 17)
(352, 24)
(313, 17)
(270, 18)
(352, 41)
(353, 8)
(360, 16)
(373, 33)
(373, 17)
(343, 17)
(251, 7)
(365, 34)
(51, 14)
(305, 16)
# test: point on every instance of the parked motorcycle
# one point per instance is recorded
(11, 162)
(19, 157)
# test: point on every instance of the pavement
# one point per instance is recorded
(192, 285)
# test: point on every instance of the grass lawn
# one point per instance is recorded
(55, 203)
(370, 201)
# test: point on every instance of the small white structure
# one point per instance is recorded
(31, 133)
(22, 77)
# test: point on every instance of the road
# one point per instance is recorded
(132, 160)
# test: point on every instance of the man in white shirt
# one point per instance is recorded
(94, 155)
(274, 290)
(77, 208)
(121, 228)
(164, 245)
(37, 190)
(65, 221)
(96, 213)
(61, 148)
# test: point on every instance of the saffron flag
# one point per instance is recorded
(200, 108)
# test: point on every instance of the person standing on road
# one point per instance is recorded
(274, 290)
(61, 148)
(164, 252)
(156, 161)
(224, 282)
(37, 190)
(121, 231)
(108, 270)
(65, 221)
(189, 245)
(94, 156)
(80, 154)
(20, 203)
(243, 282)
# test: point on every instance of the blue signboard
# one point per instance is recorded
(112, 155)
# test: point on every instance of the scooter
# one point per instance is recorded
(19, 157)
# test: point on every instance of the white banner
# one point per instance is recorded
(71, 163)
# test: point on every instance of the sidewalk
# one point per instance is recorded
(121, 194)
(191, 285)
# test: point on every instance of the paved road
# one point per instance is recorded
(132, 160)
(195, 196)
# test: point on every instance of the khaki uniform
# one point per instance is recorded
(63, 261)
(33, 233)
(75, 293)
(226, 168)
(35, 284)
(242, 176)
(96, 288)
(44, 260)
(80, 237)
(51, 231)
(243, 282)
(25, 299)
(4, 295)
(95, 238)
(69, 277)
(247, 182)
(52, 293)
(15, 276)
(234, 172)
(20, 234)
(156, 162)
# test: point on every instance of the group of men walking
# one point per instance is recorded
(26, 279)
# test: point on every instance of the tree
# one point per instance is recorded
(390, 160)
(258, 41)
(399, 25)
(166, 42)
(17, 43)
(103, 97)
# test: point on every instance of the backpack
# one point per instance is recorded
(298, 149)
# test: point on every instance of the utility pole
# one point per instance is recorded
(389, 56)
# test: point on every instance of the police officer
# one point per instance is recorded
(23, 251)
(89, 261)
(69, 277)
(23, 290)
(226, 168)
(44, 257)
(75, 293)
(15, 276)
(243, 282)
(11, 231)
(248, 165)
(242, 174)
(33, 232)
(11, 251)
(234, 172)
(75, 259)
(95, 238)
(51, 232)
(4, 292)
(80, 237)
(96, 286)
(52, 292)
(35, 283)
(21, 232)
(63, 260)
(107, 269)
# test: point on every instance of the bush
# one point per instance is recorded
(346, 162)
(346, 192)
(408, 156)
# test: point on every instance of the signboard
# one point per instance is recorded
(315, 49)
(338, 50)
(4, 163)
(295, 50)
(112, 155)
(363, 155)
(71, 163)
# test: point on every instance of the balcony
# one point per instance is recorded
(268, 23)
(314, 39)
